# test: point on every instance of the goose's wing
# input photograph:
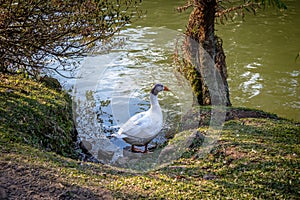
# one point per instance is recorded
(138, 125)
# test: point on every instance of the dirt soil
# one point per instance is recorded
(24, 182)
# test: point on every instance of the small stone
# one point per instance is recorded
(209, 177)
(9, 91)
(86, 146)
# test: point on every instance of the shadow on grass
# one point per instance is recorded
(36, 115)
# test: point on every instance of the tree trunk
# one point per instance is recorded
(206, 59)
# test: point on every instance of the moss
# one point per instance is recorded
(195, 79)
(51, 82)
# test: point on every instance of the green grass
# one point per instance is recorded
(34, 114)
(255, 158)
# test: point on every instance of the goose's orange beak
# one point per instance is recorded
(166, 89)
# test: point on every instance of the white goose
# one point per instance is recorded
(143, 127)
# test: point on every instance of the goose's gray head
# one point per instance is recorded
(158, 88)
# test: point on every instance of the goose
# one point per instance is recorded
(143, 127)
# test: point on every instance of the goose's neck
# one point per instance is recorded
(154, 101)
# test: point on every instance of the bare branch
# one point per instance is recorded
(32, 33)
(223, 12)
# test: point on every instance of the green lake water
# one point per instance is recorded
(260, 52)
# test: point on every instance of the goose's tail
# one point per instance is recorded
(117, 135)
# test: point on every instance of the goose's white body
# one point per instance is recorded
(143, 127)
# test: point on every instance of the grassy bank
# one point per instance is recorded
(35, 113)
(255, 158)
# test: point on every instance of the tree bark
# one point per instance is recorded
(206, 59)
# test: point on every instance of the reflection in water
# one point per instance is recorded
(90, 133)
(251, 86)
